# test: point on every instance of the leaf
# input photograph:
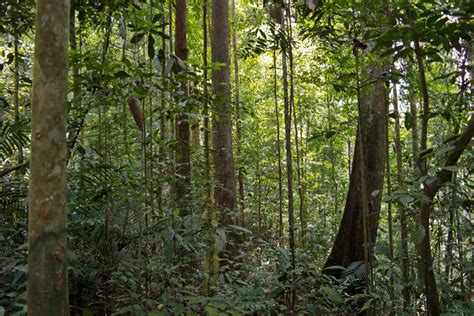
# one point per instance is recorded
(329, 134)
(283, 251)
(122, 29)
(240, 228)
(169, 66)
(375, 193)
(2, 311)
(212, 311)
(335, 268)
(366, 305)
(136, 112)
(137, 37)
(87, 312)
(405, 199)
(332, 294)
(451, 168)
(121, 74)
(151, 46)
(220, 239)
(418, 235)
(356, 268)
(408, 120)
(157, 64)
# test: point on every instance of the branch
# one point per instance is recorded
(11, 169)
(445, 175)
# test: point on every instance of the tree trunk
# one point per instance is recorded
(403, 215)
(183, 153)
(17, 93)
(240, 173)
(280, 181)
(47, 289)
(225, 190)
(349, 244)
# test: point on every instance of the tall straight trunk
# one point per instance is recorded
(333, 160)
(205, 111)
(414, 132)
(240, 175)
(289, 161)
(280, 177)
(47, 286)
(225, 190)
(303, 224)
(17, 91)
(183, 153)
(389, 204)
(164, 82)
(403, 215)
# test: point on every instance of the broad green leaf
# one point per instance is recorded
(212, 311)
(406, 199)
(332, 294)
(169, 65)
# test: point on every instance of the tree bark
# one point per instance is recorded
(225, 189)
(183, 153)
(403, 215)
(240, 172)
(372, 125)
(47, 287)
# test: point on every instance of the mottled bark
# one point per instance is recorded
(47, 289)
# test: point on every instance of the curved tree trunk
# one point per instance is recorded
(47, 289)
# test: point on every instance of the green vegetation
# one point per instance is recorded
(236, 157)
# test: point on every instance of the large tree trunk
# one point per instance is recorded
(225, 190)
(183, 154)
(47, 291)
(349, 244)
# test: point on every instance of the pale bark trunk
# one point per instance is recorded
(47, 288)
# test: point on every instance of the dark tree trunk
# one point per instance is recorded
(349, 244)
(183, 153)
